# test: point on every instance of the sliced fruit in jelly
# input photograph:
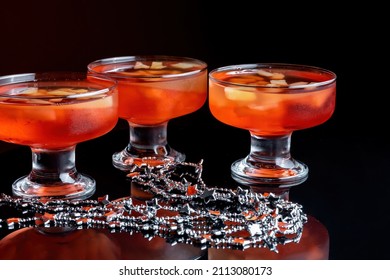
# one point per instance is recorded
(157, 65)
(239, 94)
(140, 65)
(184, 65)
(278, 83)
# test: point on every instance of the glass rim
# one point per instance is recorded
(270, 65)
(56, 76)
(126, 59)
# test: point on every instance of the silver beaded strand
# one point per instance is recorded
(208, 217)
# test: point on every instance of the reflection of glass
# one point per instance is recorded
(153, 90)
(271, 101)
(313, 245)
(90, 244)
(51, 113)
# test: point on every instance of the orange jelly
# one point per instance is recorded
(152, 92)
(55, 116)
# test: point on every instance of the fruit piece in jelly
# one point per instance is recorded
(239, 94)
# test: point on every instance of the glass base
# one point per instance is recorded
(252, 174)
(125, 161)
(81, 188)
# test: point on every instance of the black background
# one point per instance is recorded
(348, 185)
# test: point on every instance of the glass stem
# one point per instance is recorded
(273, 153)
(51, 166)
(149, 140)
(273, 150)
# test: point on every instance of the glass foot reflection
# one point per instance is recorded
(90, 244)
(313, 245)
